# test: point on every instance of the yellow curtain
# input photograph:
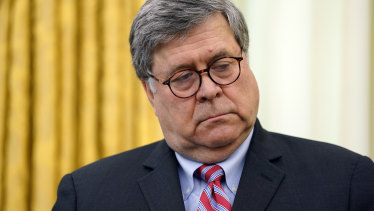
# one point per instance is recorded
(68, 93)
(371, 107)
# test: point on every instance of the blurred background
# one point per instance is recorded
(69, 94)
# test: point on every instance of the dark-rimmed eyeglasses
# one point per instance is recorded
(187, 82)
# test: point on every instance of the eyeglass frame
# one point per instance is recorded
(199, 72)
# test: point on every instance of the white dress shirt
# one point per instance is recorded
(192, 186)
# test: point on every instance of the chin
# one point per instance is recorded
(218, 142)
(221, 137)
(213, 157)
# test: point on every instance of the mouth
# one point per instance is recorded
(215, 117)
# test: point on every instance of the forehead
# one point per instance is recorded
(200, 45)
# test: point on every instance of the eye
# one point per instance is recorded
(182, 76)
(221, 65)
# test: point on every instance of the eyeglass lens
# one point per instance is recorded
(224, 71)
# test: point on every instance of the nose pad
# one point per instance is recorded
(208, 89)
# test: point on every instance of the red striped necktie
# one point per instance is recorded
(213, 197)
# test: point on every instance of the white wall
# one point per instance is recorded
(311, 60)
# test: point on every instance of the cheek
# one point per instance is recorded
(247, 96)
(174, 114)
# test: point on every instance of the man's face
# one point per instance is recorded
(212, 124)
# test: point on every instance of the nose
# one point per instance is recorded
(208, 89)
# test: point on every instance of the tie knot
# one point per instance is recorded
(210, 173)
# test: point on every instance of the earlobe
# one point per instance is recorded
(148, 91)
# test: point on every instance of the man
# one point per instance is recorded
(191, 56)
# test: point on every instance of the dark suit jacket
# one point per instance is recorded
(280, 173)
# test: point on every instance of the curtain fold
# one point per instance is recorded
(68, 93)
(4, 43)
(17, 119)
(68, 62)
(45, 98)
(371, 124)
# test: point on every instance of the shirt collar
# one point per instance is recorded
(186, 173)
(232, 166)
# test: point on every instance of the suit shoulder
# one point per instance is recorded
(315, 150)
(109, 182)
(319, 161)
(130, 159)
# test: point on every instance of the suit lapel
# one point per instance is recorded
(161, 187)
(260, 178)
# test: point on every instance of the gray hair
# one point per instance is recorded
(159, 21)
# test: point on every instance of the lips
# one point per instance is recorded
(215, 116)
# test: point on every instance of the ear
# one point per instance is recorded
(148, 91)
